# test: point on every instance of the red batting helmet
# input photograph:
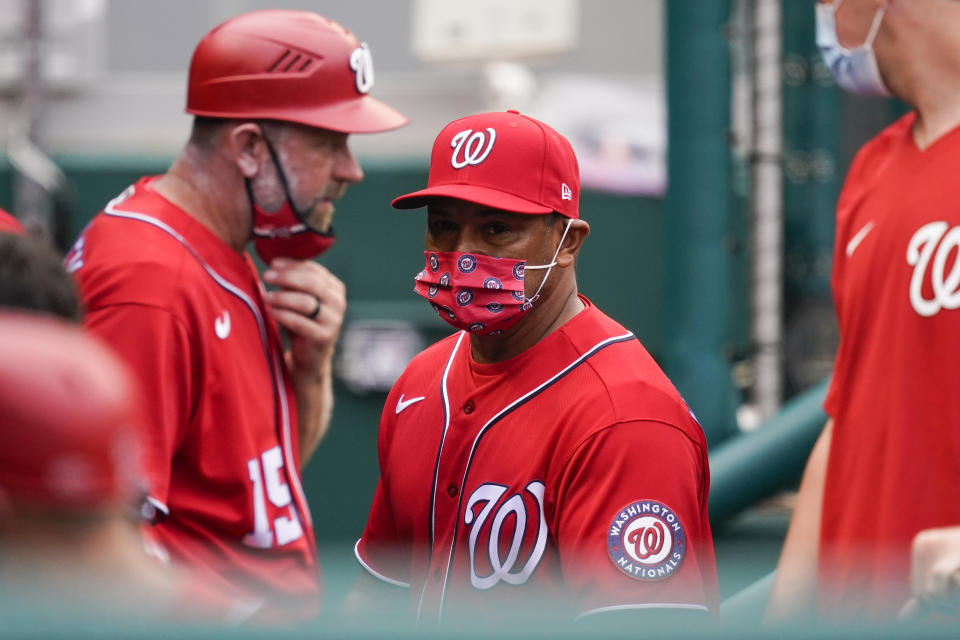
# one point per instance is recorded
(68, 422)
(9, 224)
(295, 66)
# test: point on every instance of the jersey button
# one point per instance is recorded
(452, 490)
(468, 408)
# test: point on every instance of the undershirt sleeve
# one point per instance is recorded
(836, 286)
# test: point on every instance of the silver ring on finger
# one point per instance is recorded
(316, 311)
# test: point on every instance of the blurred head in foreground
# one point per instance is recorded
(69, 468)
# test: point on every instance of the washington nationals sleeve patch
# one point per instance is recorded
(646, 540)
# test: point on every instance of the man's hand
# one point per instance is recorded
(934, 574)
(302, 286)
(309, 303)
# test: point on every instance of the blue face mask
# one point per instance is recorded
(855, 70)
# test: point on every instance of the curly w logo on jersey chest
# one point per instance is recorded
(507, 533)
(934, 254)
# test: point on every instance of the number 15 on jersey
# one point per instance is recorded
(267, 470)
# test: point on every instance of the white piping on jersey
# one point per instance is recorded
(858, 238)
(507, 409)
(374, 572)
(443, 438)
(294, 473)
(158, 505)
(646, 605)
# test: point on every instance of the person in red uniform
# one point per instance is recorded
(166, 281)
(886, 465)
(540, 446)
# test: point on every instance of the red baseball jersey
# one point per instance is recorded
(894, 465)
(187, 314)
(574, 469)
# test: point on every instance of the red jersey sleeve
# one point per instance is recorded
(382, 550)
(631, 521)
(379, 550)
(156, 346)
(838, 270)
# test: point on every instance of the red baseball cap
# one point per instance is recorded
(504, 160)
(69, 435)
(295, 66)
(9, 224)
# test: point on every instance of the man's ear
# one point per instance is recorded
(247, 148)
(578, 232)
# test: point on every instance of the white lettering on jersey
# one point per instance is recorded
(403, 404)
(222, 325)
(75, 258)
(471, 143)
(285, 529)
(489, 495)
(932, 237)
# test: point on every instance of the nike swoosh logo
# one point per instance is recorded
(222, 325)
(858, 238)
(403, 404)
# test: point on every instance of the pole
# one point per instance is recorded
(767, 276)
(697, 210)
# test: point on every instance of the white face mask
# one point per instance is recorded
(855, 70)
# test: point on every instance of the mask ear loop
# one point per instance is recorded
(877, 19)
(286, 187)
(874, 26)
(549, 267)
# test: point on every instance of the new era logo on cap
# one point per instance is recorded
(503, 160)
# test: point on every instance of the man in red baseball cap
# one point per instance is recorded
(69, 438)
(558, 456)
(164, 275)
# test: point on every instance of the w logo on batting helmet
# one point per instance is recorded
(361, 61)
